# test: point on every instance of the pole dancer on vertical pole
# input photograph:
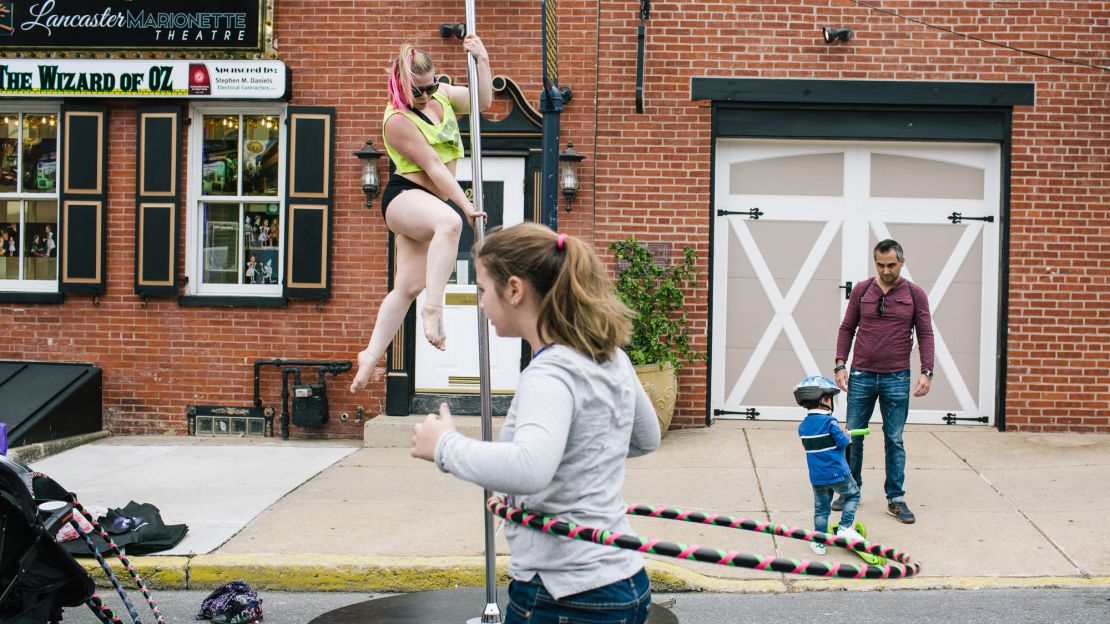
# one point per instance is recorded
(491, 613)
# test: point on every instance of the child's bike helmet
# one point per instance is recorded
(809, 391)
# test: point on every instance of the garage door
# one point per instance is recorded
(796, 222)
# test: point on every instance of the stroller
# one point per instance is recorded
(37, 578)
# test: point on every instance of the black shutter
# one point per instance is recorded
(83, 211)
(308, 202)
(157, 200)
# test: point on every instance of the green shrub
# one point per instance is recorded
(656, 296)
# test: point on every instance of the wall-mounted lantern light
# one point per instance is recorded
(371, 182)
(568, 174)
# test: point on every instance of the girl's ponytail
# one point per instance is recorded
(409, 62)
(578, 307)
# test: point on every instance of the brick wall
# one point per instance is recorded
(645, 174)
(652, 170)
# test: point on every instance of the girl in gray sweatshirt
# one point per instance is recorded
(578, 413)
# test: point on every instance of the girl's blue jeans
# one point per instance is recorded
(624, 602)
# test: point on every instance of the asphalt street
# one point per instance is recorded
(987, 606)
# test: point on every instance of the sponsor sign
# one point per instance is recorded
(110, 25)
(237, 80)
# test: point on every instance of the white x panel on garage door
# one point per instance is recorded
(796, 223)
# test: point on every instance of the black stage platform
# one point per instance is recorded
(449, 606)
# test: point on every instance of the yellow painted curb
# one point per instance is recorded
(340, 573)
(310, 572)
(156, 572)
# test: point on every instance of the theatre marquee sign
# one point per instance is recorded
(153, 78)
(113, 25)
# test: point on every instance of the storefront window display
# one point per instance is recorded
(28, 201)
(240, 207)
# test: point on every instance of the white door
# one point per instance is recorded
(796, 224)
(456, 369)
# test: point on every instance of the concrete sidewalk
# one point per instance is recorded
(993, 510)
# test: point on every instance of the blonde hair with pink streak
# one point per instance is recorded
(409, 62)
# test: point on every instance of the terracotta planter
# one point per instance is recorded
(661, 385)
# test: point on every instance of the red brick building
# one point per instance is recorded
(977, 133)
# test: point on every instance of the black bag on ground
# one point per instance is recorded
(144, 533)
(151, 536)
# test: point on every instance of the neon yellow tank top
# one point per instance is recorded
(444, 138)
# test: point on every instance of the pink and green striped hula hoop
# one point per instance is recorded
(900, 564)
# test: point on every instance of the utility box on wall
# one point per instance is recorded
(310, 405)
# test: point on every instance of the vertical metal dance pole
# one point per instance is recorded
(491, 613)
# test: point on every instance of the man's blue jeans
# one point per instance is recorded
(822, 504)
(624, 602)
(892, 391)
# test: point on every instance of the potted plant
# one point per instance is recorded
(660, 341)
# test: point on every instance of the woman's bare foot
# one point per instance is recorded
(366, 369)
(433, 326)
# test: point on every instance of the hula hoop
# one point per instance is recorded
(900, 564)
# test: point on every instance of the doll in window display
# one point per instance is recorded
(38, 247)
(264, 233)
(13, 239)
(7, 248)
(252, 271)
(257, 228)
(51, 247)
(268, 272)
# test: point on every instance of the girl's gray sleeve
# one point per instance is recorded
(645, 427)
(526, 464)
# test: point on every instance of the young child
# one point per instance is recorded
(578, 413)
(824, 441)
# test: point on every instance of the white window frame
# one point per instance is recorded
(25, 285)
(194, 234)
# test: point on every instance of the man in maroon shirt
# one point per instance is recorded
(882, 316)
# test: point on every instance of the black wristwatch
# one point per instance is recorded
(839, 367)
(927, 373)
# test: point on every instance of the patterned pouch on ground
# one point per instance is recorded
(234, 603)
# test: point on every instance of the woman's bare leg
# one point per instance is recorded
(427, 239)
(424, 217)
(407, 284)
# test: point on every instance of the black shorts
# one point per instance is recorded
(398, 184)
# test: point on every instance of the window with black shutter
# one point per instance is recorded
(236, 230)
(310, 201)
(83, 200)
(157, 202)
(28, 199)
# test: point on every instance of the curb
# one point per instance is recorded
(30, 453)
(337, 573)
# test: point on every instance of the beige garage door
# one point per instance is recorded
(796, 222)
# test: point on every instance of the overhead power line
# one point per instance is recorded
(979, 39)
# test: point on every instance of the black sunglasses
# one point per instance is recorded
(426, 90)
(882, 305)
